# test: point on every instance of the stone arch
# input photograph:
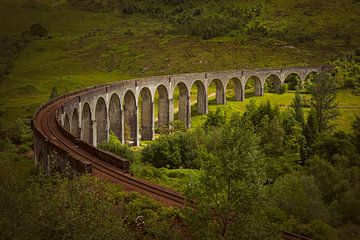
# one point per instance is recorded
(75, 123)
(293, 79)
(130, 117)
(115, 124)
(146, 114)
(101, 120)
(258, 87)
(220, 93)
(235, 83)
(184, 105)
(66, 122)
(201, 97)
(273, 82)
(163, 106)
(86, 124)
(308, 75)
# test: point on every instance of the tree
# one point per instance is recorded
(323, 100)
(215, 119)
(176, 150)
(297, 107)
(272, 136)
(231, 190)
(38, 30)
(54, 93)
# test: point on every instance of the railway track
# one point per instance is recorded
(47, 125)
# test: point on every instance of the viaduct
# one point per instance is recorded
(68, 128)
(127, 108)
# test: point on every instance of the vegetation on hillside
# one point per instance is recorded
(302, 173)
(267, 170)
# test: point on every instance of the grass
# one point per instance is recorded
(178, 179)
(344, 98)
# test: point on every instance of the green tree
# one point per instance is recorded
(297, 107)
(298, 196)
(271, 136)
(231, 191)
(215, 119)
(323, 100)
(54, 93)
(176, 150)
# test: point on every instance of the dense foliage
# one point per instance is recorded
(82, 208)
(177, 150)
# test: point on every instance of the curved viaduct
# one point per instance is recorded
(68, 128)
(127, 108)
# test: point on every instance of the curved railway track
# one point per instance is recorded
(47, 124)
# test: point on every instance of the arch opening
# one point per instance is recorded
(273, 84)
(216, 89)
(310, 76)
(181, 103)
(101, 121)
(66, 122)
(293, 81)
(253, 87)
(146, 114)
(162, 107)
(86, 124)
(198, 93)
(130, 118)
(75, 123)
(234, 90)
(115, 125)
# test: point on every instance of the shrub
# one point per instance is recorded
(177, 150)
(114, 146)
(215, 119)
(37, 30)
(283, 88)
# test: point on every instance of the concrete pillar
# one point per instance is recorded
(122, 138)
(107, 127)
(115, 117)
(220, 94)
(259, 88)
(171, 110)
(188, 112)
(152, 121)
(242, 93)
(206, 107)
(147, 118)
(201, 97)
(94, 132)
(238, 90)
(137, 137)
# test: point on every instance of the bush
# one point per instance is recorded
(37, 30)
(283, 88)
(114, 146)
(177, 150)
(215, 119)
